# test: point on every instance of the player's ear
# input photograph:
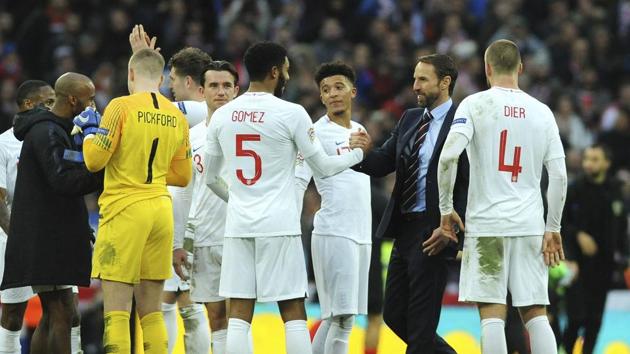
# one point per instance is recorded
(353, 92)
(161, 80)
(236, 89)
(445, 83)
(275, 72)
(520, 68)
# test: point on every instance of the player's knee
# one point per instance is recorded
(12, 315)
(529, 312)
(291, 310)
(217, 313)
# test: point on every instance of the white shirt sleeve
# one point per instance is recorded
(4, 160)
(195, 111)
(303, 175)
(555, 150)
(556, 193)
(454, 145)
(214, 181)
(320, 163)
(182, 200)
(462, 121)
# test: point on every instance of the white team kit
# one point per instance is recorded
(195, 112)
(10, 149)
(511, 135)
(200, 215)
(341, 241)
(259, 135)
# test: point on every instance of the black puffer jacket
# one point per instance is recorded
(49, 235)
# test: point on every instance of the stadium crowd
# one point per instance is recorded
(575, 53)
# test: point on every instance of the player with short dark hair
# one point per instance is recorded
(258, 135)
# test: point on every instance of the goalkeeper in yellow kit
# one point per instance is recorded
(142, 142)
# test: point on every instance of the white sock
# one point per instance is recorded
(237, 333)
(297, 338)
(197, 329)
(170, 319)
(218, 341)
(250, 340)
(541, 338)
(339, 334)
(319, 341)
(75, 340)
(493, 336)
(10, 341)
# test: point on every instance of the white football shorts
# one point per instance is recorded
(263, 268)
(493, 265)
(341, 268)
(206, 274)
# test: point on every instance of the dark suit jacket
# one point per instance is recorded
(390, 157)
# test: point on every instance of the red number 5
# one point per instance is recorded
(515, 168)
(240, 138)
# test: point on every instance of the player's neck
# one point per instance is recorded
(505, 81)
(261, 86)
(341, 118)
(210, 113)
(599, 179)
(145, 87)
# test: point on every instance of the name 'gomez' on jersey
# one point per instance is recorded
(511, 135)
(258, 135)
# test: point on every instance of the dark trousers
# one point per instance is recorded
(586, 300)
(413, 291)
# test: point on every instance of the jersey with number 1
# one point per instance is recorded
(259, 135)
(511, 135)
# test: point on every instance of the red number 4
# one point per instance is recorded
(240, 138)
(515, 168)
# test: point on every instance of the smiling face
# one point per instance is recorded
(336, 93)
(219, 88)
(426, 84)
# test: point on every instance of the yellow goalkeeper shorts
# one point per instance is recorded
(136, 244)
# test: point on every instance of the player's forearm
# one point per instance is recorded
(182, 200)
(213, 179)
(447, 169)
(556, 193)
(300, 187)
(95, 157)
(326, 166)
(179, 173)
(5, 215)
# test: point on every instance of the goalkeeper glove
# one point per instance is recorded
(85, 124)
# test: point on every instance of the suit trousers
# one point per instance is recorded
(414, 289)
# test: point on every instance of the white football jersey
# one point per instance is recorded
(511, 135)
(206, 219)
(195, 111)
(346, 207)
(259, 135)
(10, 149)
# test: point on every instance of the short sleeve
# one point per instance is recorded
(555, 150)
(463, 120)
(304, 134)
(213, 148)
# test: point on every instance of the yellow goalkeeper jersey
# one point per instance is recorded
(143, 142)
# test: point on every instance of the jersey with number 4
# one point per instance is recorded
(259, 135)
(511, 135)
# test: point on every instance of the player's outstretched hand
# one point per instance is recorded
(180, 259)
(85, 123)
(361, 140)
(451, 224)
(139, 39)
(436, 243)
(552, 248)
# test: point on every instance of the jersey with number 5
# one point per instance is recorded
(144, 132)
(259, 135)
(511, 135)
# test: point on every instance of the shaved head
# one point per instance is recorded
(74, 93)
(72, 84)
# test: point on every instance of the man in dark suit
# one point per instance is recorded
(418, 270)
